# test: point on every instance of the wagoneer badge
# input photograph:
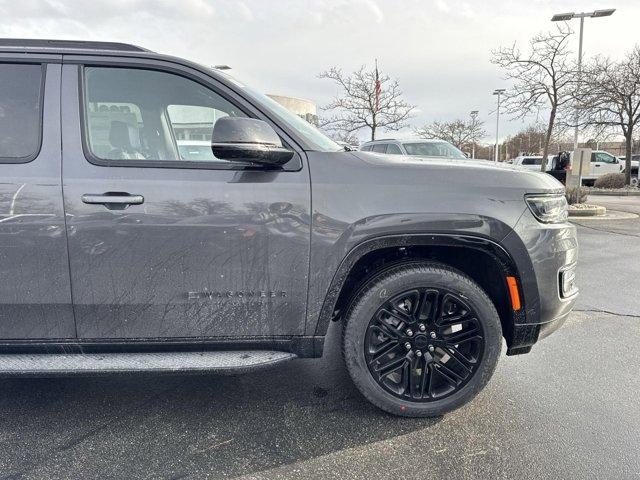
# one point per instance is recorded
(213, 294)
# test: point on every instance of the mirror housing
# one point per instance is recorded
(248, 140)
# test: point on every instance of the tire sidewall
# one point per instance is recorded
(401, 279)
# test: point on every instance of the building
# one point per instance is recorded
(303, 108)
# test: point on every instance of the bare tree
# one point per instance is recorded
(367, 99)
(461, 133)
(598, 134)
(528, 140)
(345, 137)
(610, 97)
(542, 78)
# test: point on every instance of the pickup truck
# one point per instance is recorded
(602, 163)
(123, 251)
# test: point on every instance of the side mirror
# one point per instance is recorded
(248, 140)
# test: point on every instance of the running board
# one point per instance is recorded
(155, 362)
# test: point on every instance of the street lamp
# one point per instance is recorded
(498, 92)
(564, 17)
(474, 116)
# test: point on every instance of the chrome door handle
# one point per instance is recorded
(113, 200)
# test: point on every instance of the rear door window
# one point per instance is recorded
(20, 111)
(380, 148)
(393, 149)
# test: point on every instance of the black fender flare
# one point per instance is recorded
(477, 242)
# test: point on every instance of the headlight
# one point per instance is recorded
(548, 208)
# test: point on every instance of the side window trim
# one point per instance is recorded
(33, 156)
(171, 164)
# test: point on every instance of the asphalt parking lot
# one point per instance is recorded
(569, 409)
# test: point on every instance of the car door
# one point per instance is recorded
(610, 163)
(35, 290)
(602, 163)
(165, 240)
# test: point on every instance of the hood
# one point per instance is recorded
(462, 172)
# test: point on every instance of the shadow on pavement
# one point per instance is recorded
(174, 426)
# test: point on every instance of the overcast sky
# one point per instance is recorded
(439, 50)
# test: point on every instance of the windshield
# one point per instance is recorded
(318, 140)
(433, 149)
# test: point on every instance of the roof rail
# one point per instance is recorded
(69, 44)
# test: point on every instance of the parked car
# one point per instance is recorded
(414, 147)
(126, 250)
(601, 163)
(195, 150)
(531, 162)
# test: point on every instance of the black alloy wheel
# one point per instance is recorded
(421, 339)
(424, 344)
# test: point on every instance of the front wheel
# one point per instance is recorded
(420, 340)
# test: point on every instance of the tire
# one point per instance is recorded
(415, 390)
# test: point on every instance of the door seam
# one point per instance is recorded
(64, 209)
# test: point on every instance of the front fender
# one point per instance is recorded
(333, 258)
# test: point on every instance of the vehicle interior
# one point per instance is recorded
(136, 114)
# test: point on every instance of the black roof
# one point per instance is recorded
(56, 45)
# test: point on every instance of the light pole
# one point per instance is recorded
(498, 92)
(564, 17)
(474, 116)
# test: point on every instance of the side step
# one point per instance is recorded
(157, 362)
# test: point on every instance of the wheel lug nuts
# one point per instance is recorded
(431, 349)
(407, 346)
(433, 334)
(422, 327)
(409, 332)
(418, 353)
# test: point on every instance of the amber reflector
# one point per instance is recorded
(514, 293)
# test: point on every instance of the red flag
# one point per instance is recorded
(378, 87)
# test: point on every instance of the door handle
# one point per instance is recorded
(113, 200)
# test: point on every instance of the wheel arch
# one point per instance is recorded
(480, 258)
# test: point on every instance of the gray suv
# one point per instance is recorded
(123, 252)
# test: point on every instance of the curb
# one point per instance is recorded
(612, 193)
(612, 215)
(596, 211)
